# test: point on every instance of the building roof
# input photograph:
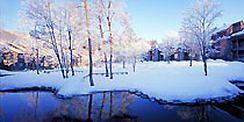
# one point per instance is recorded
(238, 33)
(226, 32)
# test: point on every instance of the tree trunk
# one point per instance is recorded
(168, 60)
(110, 40)
(205, 66)
(60, 64)
(63, 61)
(67, 71)
(80, 60)
(190, 61)
(54, 42)
(90, 62)
(134, 64)
(104, 43)
(89, 43)
(37, 62)
(123, 64)
(106, 64)
(204, 59)
(134, 67)
(110, 65)
(71, 54)
(65, 67)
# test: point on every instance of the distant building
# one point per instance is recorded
(228, 43)
(1, 60)
(15, 57)
(156, 54)
(20, 64)
(181, 54)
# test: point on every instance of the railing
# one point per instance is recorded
(50, 71)
(102, 74)
(240, 48)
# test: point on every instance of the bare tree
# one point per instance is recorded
(199, 22)
(71, 52)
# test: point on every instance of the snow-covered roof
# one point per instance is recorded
(238, 33)
(222, 28)
(18, 47)
(15, 50)
(222, 38)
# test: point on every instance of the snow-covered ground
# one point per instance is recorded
(170, 82)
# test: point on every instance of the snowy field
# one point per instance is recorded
(169, 82)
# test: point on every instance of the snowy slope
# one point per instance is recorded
(170, 82)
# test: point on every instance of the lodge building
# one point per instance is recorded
(228, 43)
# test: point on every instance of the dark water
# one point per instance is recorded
(109, 106)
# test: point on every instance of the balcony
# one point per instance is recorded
(239, 49)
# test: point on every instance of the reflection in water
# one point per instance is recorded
(90, 107)
(102, 106)
(199, 113)
(109, 106)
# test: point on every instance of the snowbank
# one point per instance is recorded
(169, 82)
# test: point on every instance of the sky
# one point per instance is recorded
(152, 19)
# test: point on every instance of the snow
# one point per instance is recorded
(238, 33)
(169, 82)
(222, 38)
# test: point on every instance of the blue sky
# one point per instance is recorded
(152, 19)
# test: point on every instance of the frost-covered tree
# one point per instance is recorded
(199, 22)
(126, 40)
(100, 13)
(108, 15)
(138, 48)
(42, 14)
(59, 26)
(190, 44)
(86, 7)
(66, 27)
(129, 47)
(168, 47)
(72, 31)
(35, 47)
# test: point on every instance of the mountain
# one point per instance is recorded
(7, 36)
(19, 43)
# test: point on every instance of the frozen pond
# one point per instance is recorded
(109, 106)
